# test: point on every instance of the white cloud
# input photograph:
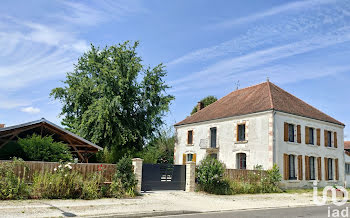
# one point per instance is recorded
(296, 27)
(46, 50)
(101, 11)
(31, 110)
(289, 7)
(224, 70)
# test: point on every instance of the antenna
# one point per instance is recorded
(267, 79)
(237, 84)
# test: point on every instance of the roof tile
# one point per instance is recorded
(257, 98)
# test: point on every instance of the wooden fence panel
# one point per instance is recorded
(84, 168)
(235, 174)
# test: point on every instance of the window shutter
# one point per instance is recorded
(299, 134)
(183, 159)
(318, 137)
(307, 135)
(286, 166)
(336, 170)
(300, 167)
(286, 132)
(307, 168)
(237, 132)
(335, 140)
(319, 168)
(194, 158)
(326, 168)
(325, 138)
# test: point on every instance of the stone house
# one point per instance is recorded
(263, 125)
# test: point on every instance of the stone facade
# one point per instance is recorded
(137, 163)
(264, 143)
(190, 176)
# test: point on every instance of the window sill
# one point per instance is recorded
(293, 143)
(189, 144)
(332, 148)
(293, 181)
(241, 142)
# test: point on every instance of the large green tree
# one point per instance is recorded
(114, 101)
(206, 101)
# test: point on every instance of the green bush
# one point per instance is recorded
(61, 184)
(258, 183)
(210, 176)
(271, 180)
(39, 148)
(124, 181)
(93, 187)
(11, 185)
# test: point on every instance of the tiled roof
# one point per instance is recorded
(347, 145)
(257, 98)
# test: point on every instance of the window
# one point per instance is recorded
(330, 169)
(189, 157)
(241, 161)
(190, 137)
(311, 136)
(292, 174)
(329, 139)
(241, 132)
(215, 156)
(347, 168)
(291, 132)
(213, 137)
(312, 168)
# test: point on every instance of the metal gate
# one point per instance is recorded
(163, 177)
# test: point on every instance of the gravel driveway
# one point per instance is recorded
(161, 202)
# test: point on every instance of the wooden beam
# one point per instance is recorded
(75, 148)
(20, 130)
(8, 140)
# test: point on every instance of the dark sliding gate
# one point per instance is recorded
(163, 177)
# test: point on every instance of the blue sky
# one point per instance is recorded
(207, 46)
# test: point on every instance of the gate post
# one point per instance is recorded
(190, 176)
(137, 163)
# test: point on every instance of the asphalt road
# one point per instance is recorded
(314, 211)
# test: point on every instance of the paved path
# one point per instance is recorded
(297, 212)
(158, 203)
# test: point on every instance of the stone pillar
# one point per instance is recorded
(190, 176)
(137, 163)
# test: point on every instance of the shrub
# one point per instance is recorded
(93, 187)
(11, 185)
(40, 148)
(258, 183)
(210, 178)
(271, 180)
(63, 183)
(124, 181)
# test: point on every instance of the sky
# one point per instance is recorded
(208, 47)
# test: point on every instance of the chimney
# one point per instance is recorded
(2, 125)
(200, 106)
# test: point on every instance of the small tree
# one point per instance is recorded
(160, 149)
(206, 102)
(210, 176)
(39, 148)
